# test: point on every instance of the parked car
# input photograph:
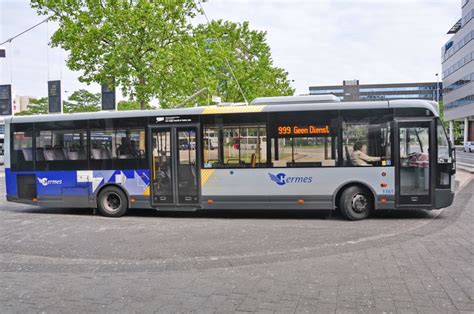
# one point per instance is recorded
(469, 147)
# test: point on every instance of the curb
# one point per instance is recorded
(464, 167)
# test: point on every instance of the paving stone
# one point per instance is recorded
(57, 260)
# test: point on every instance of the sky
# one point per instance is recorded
(319, 42)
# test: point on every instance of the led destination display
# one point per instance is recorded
(303, 130)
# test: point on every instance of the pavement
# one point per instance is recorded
(58, 260)
(464, 160)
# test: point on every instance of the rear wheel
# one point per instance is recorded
(355, 203)
(112, 202)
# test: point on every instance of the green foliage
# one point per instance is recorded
(131, 105)
(135, 42)
(151, 50)
(36, 106)
(224, 47)
(83, 101)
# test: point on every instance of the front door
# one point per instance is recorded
(174, 165)
(414, 173)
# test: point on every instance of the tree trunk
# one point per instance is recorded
(141, 97)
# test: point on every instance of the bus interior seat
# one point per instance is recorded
(48, 154)
(95, 153)
(65, 152)
(59, 154)
(78, 154)
(100, 153)
(105, 152)
(40, 154)
(27, 154)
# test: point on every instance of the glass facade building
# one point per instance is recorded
(353, 91)
(457, 58)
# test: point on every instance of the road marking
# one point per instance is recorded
(387, 235)
(199, 259)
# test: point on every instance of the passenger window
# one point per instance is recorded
(118, 144)
(22, 147)
(211, 147)
(60, 145)
(443, 144)
(366, 142)
(242, 146)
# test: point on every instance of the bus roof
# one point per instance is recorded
(265, 104)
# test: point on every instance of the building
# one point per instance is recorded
(457, 57)
(20, 103)
(353, 91)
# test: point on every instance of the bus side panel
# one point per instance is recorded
(317, 187)
(6, 146)
(10, 183)
(78, 188)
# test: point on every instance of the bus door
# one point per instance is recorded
(414, 159)
(174, 165)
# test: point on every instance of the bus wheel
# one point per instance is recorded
(112, 202)
(355, 203)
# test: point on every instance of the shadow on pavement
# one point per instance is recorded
(237, 214)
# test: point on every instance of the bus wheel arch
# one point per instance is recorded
(355, 200)
(112, 200)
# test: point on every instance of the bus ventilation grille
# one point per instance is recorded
(26, 186)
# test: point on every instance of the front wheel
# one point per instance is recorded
(355, 203)
(112, 202)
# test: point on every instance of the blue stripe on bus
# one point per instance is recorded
(86, 182)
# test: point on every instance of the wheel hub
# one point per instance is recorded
(112, 202)
(359, 203)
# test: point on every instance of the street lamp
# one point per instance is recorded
(437, 87)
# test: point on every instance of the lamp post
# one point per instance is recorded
(437, 87)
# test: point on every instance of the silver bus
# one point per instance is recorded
(288, 153)
(2, 136)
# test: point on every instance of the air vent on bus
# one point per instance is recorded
(26, 186)
(294, 100)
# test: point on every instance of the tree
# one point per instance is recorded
(225, 49)
(82, 101)
(36, 106)
(131, 105)
(133, 42)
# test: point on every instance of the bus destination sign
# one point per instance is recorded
(303, 130)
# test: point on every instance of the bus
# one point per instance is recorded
(2, 136)
(277, 153)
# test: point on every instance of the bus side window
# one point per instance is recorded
(117, 144)
(211, 147)
(243, 146)
(366, 142)
(22, 150)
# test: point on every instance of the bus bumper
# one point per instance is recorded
(443, 198)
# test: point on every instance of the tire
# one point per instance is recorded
(112, 202)
(355, 203)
